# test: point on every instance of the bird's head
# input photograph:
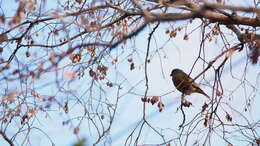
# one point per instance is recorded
(175, 72)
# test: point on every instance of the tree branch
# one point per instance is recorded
(8, 140)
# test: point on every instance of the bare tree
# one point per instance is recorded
(66, 58)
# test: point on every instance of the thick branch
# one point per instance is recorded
(8, 140)
(241, 36)
(207, 11)
(223, 19)
(212, 16)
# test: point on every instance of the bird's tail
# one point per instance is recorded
(205, 95)
(202, 92)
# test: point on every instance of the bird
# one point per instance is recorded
(185, 84)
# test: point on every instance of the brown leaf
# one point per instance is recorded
(10, 96)
(53, 58)
(35, 94)
(130, 60)
(102, 117)
(3, 37)
(186, 37)
(167, 31)
(31, 112)
(173, 33)
(114, 61)
(109, 84)
(32, 74)
(103, 69)
(204, 107)
(205, 122)
(144, 99)
(93, 24)
(66, 108)
(91, 48)
(186, 103)
(76, 130)
(76, 58)
(25, 116)
(160, 105)
(2, 18)
(92, 73)
(154, 100)
(78, 1)
(179, 28)
(254, 55)
(228, 117)
(230, 52)
(16, 71)
(69, 74)
(132, 66)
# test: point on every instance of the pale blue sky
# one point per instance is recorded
(177, 53)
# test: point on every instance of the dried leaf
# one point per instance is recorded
(76, 130)
(254, 55)
(144, 99)
(10, 96)
(204, 107)
(69, 74)
(2, 18)
(1, 49)
(102, 117)
(75, 58)
(27, 54)
(160, 105)
(154, 100)
(179, 28)
(35, 94)
(228, 117)
(103, 69)
(130, 60)
(205, 122)
(173, 33)
(230, 52)
(93, 24)
(3, 37)
(78, 1)
(215, 30)
(109, 84)
(186, 37)
(92, 73)
(186, 103)
(91, 48)
(31, 112)
(132, 66)
(66, 108)
(114, 61)
(25, 116)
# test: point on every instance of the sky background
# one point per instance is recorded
(170, 53)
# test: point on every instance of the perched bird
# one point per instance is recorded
(184, 83)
